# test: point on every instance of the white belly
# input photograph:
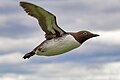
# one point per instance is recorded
(58, 46)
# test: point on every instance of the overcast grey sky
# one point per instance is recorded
(96, 59)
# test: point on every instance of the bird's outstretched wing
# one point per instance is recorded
(46, 20)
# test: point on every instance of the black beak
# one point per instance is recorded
(95, 35)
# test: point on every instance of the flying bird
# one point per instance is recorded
(57, 40)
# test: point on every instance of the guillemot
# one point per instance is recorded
(57, 40)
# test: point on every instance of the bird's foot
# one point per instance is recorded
(28, 55)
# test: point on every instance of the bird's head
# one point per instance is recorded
(82, 36)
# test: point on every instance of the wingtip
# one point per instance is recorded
(21, 3)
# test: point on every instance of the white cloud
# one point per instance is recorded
(69, 71)
(11, 58)
(91, 21)
(100, 4)
(11, 77)
(11, 44)
(2, 21)
(15, 17)
(110, 38)
(4, 3)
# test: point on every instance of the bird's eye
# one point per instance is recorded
(85, 33)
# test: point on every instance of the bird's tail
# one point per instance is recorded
(28, 55)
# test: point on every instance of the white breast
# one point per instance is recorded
(58, 46)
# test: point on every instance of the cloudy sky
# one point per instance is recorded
(96, 59)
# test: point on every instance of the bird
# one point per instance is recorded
(57, 41)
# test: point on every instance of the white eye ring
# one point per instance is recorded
(85, 33)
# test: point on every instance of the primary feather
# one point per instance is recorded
(46, 19)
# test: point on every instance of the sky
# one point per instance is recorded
(97, 59)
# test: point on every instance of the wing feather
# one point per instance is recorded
(46, 19)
